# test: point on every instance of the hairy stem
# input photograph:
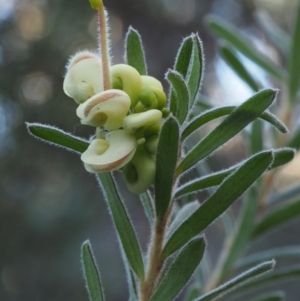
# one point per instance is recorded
(104, 53)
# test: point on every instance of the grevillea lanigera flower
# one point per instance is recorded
(127, 117)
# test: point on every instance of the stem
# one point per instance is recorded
(104, 46)
(155, 263)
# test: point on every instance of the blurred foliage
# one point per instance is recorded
(48, 203)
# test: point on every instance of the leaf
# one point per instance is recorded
(235, 63)
(256, 137)
(57, 137)
(147, 203)
(224, 30)
(196, 69)
(278, 216)
(181, 94)
(294, 60)
(274, 296)
(282, 253)
(182, 63)
(218, 112)
(122, 223)
(230, 189)
(91, 273)
(166, 159)
(233, 124)
(180, 271)
(239, 281)
(281, 157)
(134, 51)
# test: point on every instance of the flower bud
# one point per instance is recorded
(127, 78)
(110, 154)
(84, 77)
(106, 109)
(151, 144)
(136, 123)
(139, 173)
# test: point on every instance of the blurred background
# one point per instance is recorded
(49, 204)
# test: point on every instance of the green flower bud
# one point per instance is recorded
(153, 130)
(96, 4)
(139, 173)
(110, 154)
(137, 123)
(151, 144)
(84, 77)
(127, 78)
(106, 109)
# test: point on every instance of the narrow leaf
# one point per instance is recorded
(282, 253)
(230, 189)
(278, 216)
(224, 30)
(166, 160)
(122, 223)
(281, 157)
(235, 63)
(294, 60)
(256, 137)
(233, 124)
(215, 113)
(57, 137)
(239, 281)
(181, 94)
(91, 273)
(148, 203)
(134, 51)
(196, 69)
(180, 271)
(274, 296)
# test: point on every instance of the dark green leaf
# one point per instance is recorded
(239, 282)
(281, 157)
(233, 124)
(294, 60)
(122, 223)
(91, 273)
(224, 30)
(282, 253)
(256, 137)
(230, 189)
(215, 113)
(181, 94)
(278, 216)
(235, 63)
(274, 296)
(196, 69)
(57, 137)
(180, 271)
(192, 293)
(134, 51)
(166, 160)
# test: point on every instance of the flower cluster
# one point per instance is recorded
(128, 117)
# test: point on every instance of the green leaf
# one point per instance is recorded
(235, 63)
(230, 189)
(57, 137)
(196, 69)
(239, 281)
(224, 30)
(282, 253)
(256, 137)
(181, 95)
(218, 112)
(276, 217)
(166, 160)
(232, 125)
(91, 273)
(281, 157)
(180, 271)
(134, 51)
(122, 223)
(294, 60)
(147, 202)
(274, 296)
